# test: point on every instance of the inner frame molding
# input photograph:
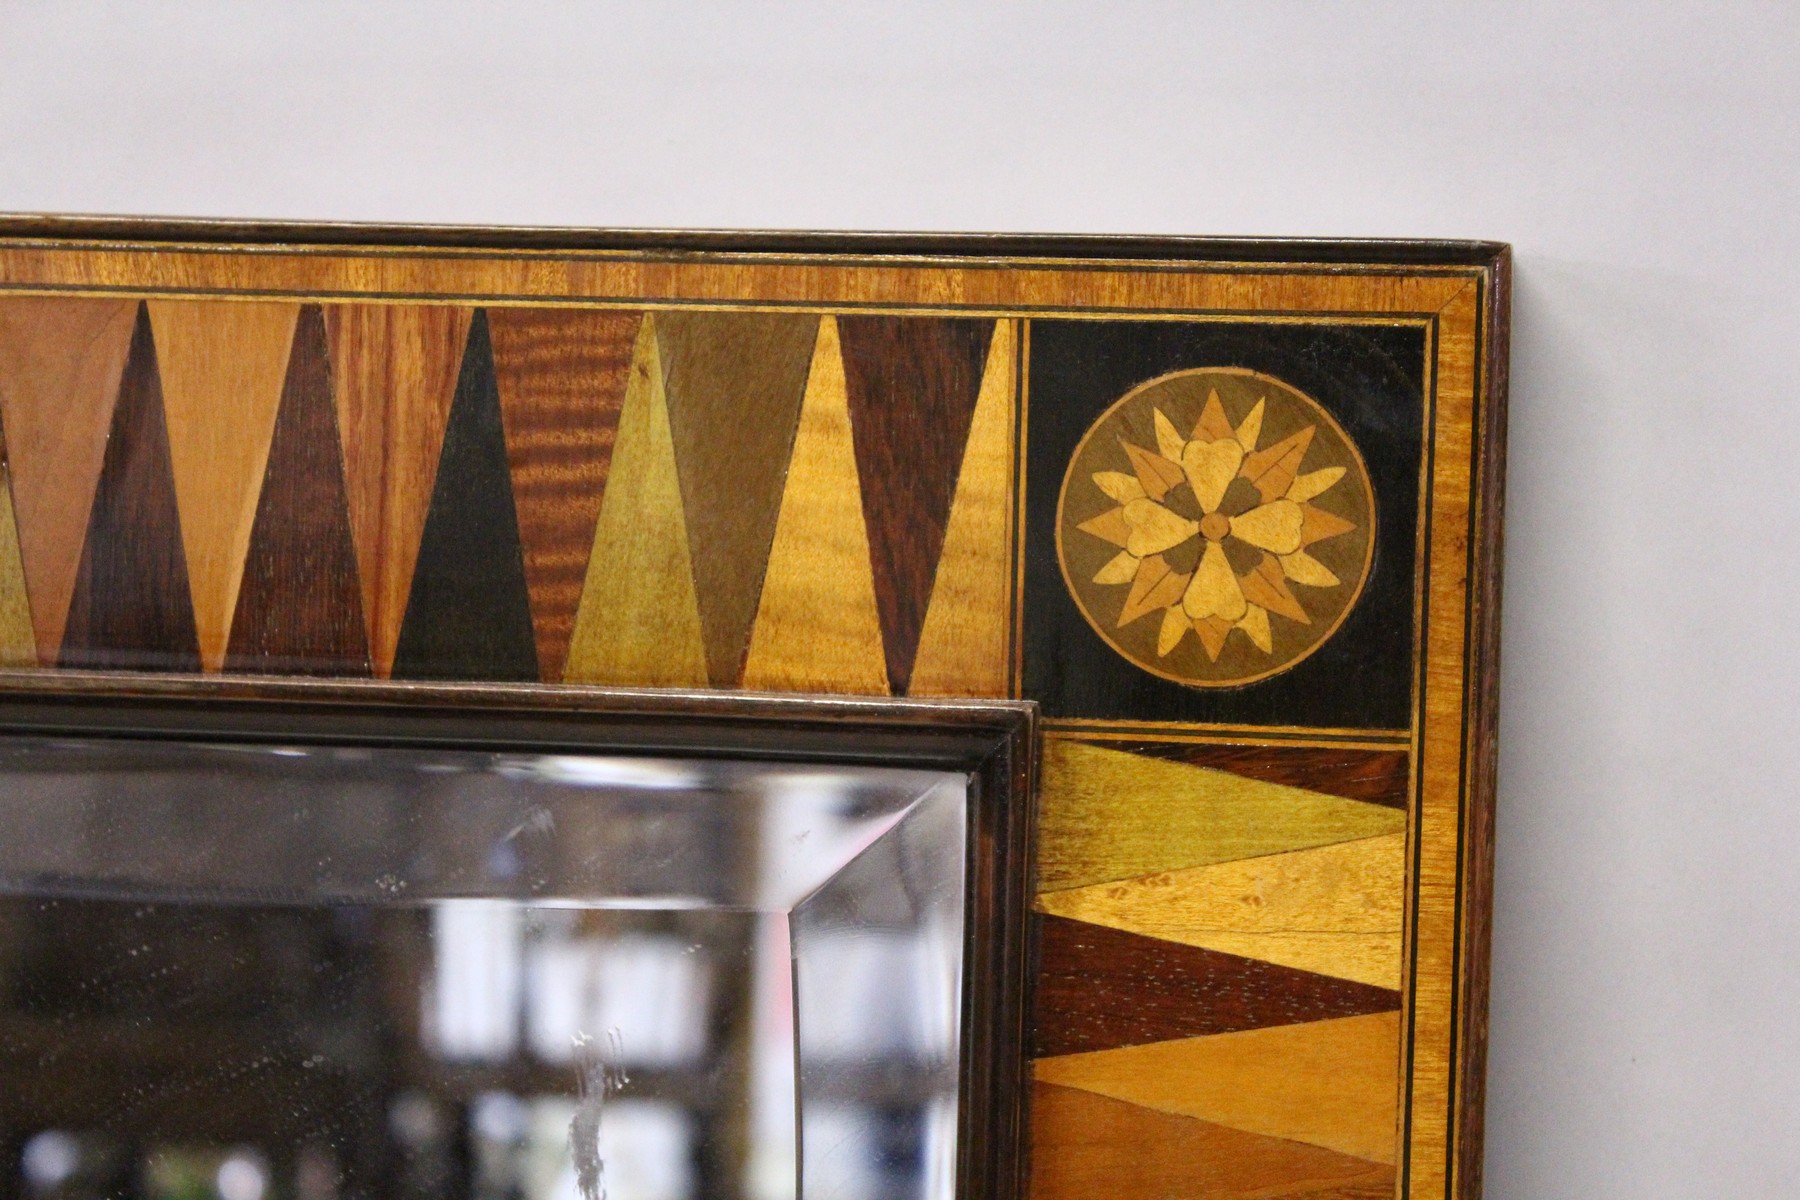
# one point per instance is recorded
(990, 746)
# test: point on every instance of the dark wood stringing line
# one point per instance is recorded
(1251, 255)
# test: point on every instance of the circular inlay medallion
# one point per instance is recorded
(1215, 526)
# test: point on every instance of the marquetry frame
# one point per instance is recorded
(1458, 292)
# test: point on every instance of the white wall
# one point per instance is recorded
(1642, 158)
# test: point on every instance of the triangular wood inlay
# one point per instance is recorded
(299, 607)
(965, 641)
(1109, 815)
(817, 627)
(1086, 1146)
(221, 363)
(18, 641)
(1375, 776)
(394, 369)
(469, 613)
(734, 383)
(132, 609)
(562, 374)
(1101, 988)
(60, 362)
(912, 383)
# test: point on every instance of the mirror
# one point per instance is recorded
(256, 969)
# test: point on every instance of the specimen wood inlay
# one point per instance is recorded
(1215, 526)
(222, 364)
(1086, 1146)
(61, 358)
(818, 627)
(299, 607)
(562, 374)
(735, 383)
(394, 370)
(912, 384)
(1333, 910)
(1109, 815)
(964, 644)
(1327, 1083)
(469, 612)
(1101, 988)
(639, 621)
(132, 609)
(1376, 776)
(18, 641)
(779, 520)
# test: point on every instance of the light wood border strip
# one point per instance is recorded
(322, 274)
(1433, 1079)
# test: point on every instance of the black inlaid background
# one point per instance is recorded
(1369, 377)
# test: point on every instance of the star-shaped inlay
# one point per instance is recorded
(1213, 532)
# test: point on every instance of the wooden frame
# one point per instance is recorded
(992, 743)
(1403, 343)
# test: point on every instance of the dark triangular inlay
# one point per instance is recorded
(132, 609)
(469, 613)
(1100, 988)
(299, 606)
(912, 384)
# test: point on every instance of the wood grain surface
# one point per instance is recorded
(965, 643)
(639, 620)
(912, 384)
(468, 615)
(222, 364)
(735, 383)
(1091, 1147)
(818, 628)
(394, 372)
(131, 608)
(1377, 776)
(1334, 910)
(1326, 1083)
(18, 641)
(1109, 816)
(1099, 989)
(561, 373)
(299, 606)
(61, 358)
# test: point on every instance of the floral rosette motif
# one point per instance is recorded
(1226, 546)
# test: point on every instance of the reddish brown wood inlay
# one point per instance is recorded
(1101, 988)
(299, 607)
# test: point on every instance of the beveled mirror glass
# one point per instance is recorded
(322, 968)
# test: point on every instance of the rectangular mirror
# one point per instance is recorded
(746, 949)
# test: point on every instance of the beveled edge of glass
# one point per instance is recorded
(993, 742)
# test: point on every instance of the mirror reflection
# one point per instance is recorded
(325, 973)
